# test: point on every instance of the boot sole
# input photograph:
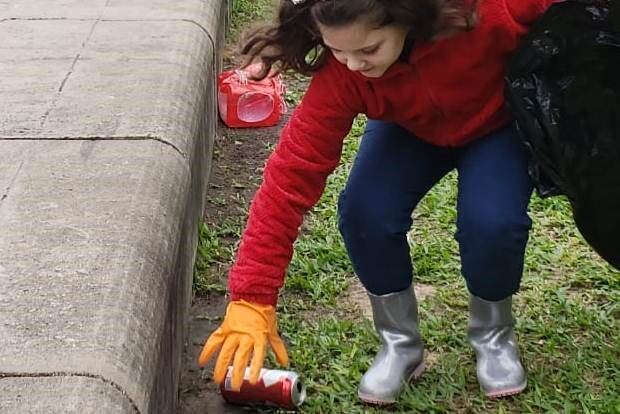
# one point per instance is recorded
(506, 393)
(417, 373)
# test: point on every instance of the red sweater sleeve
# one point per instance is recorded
(525, 12)
(294, 178)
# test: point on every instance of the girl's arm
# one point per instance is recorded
(525, 12)
(309, 149)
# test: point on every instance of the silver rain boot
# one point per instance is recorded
(401, 356)
(491, 334)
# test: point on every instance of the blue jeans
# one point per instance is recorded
(394, 170)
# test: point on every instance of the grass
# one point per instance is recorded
(244, 13)
(214, 251)
(567, 312)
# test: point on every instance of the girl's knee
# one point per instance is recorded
(368, 219)
(493, 229)
(353, 214)
(492, 252)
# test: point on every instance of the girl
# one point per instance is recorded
(429, 76)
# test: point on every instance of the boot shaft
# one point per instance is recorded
(487, 314)
(395, 316)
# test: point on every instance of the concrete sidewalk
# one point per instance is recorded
(107, 116)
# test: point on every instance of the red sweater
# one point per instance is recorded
(449, 92)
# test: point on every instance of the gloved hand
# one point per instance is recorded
(247, 327)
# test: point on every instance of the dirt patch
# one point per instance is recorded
(239, 156)
(197, 393)
(238, 160)
(358, 297)
(430, 359)
(423, 291)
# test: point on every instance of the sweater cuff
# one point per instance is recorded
(269, 299)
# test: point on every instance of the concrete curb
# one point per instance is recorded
(106, 127)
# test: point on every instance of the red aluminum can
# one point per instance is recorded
(276, 388)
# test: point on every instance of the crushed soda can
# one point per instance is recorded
(276, 388)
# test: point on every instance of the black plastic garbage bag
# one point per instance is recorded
(563, 87)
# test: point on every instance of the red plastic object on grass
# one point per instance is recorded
(245, 103)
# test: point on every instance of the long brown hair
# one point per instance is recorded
(294, 42)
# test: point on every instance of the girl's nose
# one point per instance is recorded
(355, 64)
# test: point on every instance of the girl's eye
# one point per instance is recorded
(369, 51)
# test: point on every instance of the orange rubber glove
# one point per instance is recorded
(247, 327)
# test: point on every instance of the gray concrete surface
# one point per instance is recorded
(107, 119)
(59, 395)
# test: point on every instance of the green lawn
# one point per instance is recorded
(567, 314)
(567, 311)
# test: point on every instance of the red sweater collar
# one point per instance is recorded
(418, 52)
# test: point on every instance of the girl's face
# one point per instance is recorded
(364, 48)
